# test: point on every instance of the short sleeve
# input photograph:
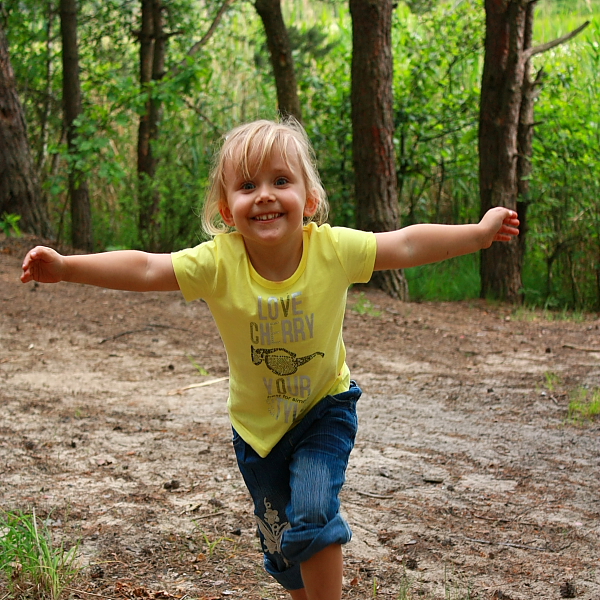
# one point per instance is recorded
(356, 251)
(195, 270)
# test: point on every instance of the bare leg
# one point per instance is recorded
(298, 594)
(322, 575)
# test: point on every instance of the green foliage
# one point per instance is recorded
(564, 212)
(33, 565)
(552, 380)
(363, 306)
(436, 85)
(213, 544)
(9, 224)
(198, 367)
(584, 405)
(451, 280)
(437, 50)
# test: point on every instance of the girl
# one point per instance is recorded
(276, 279)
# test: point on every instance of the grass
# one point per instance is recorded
(584, 405)
(552, 381)
(212, 545)
(198, 368)
(363, 306)
(33, 565)
(458, 279)
(554, 18)
(447, 281)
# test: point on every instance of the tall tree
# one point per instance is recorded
(20, 191)
(505, 132)
(373, 128)
(152, 65)
(282, 61)
(81, 215)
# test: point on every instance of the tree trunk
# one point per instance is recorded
(373, 128)
(501, 94)
(81, 216)
(45, 107)
(525, 137)
(20, 192)
(152, 66)
(281, 57)
(506, 133)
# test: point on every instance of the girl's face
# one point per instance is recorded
(267, 208)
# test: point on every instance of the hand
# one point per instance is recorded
(44, 265)
(501, 225)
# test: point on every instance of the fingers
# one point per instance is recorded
(40, 265)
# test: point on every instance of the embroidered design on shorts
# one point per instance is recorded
(279, 360)
(272, 530)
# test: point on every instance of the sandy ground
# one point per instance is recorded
(467, 480)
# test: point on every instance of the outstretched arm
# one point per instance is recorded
(427, 243)
(121, 270)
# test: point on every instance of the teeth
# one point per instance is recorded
(267, 217)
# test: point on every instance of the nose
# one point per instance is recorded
(265, 194)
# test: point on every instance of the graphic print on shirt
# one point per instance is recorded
(279, 360)
(282, 321)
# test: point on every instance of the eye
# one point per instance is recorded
(247, 185)
(281, 181)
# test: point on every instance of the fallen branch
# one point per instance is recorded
(116, 337)
(168, 327)
(580, 348)
(509, 545)
(197, 385)
(207, 515)
(378, 496)
(499, 520)
(87, 593)
(148, 327)
(494, 519)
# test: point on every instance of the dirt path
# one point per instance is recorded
(467, 481)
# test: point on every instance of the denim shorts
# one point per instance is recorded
(296, 487)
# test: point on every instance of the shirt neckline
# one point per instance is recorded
(290, 280)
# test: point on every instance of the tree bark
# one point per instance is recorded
(152, 68)
(506, 126)
(20, 191)
(281, 57)
(81, 215)
(373, 128)
(525, 133)
(501, 95)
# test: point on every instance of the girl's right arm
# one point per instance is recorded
(120, 270)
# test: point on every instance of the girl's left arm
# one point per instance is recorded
(428, 243)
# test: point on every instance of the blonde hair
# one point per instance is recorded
(249, 146)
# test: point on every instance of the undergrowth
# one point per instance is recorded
(34, 566)
(584, 405)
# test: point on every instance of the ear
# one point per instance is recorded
(226, 215)
(311, 206)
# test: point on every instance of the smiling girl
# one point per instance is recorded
(276, 279)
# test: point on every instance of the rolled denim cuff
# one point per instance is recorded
(290, 579)
(300, 544)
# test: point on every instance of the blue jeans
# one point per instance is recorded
(295, 488)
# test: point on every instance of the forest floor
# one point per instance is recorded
(468, 479)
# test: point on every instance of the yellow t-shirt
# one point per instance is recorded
(283, 339)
